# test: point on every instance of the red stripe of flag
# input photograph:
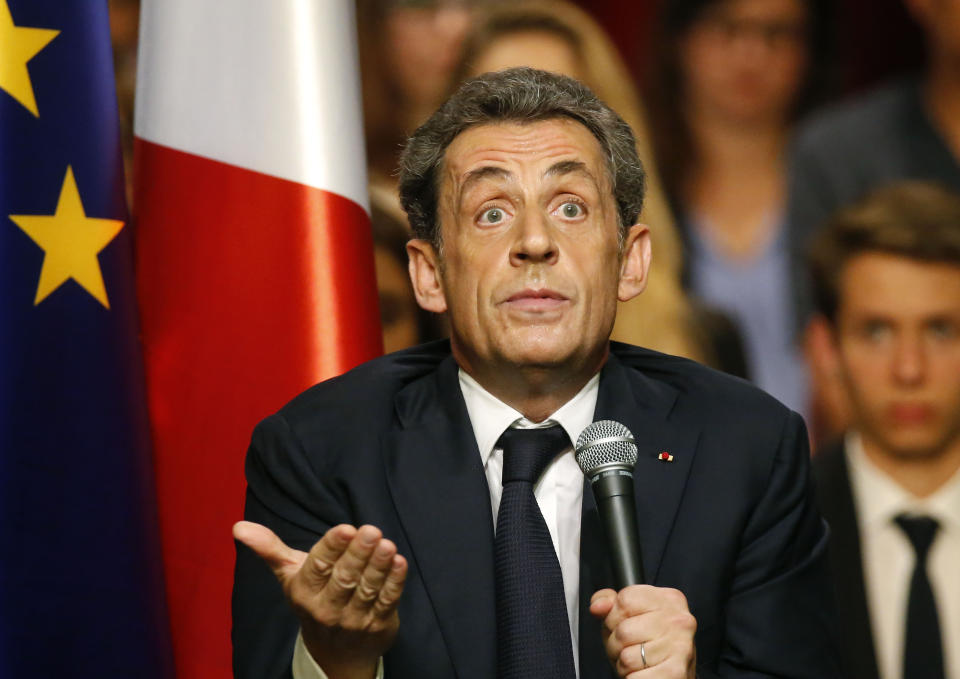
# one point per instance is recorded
(251, 289)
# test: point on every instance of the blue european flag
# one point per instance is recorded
(81, 589)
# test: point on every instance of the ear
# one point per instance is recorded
(424, 270)
(820, 348)
(829, 387)
(635, 264)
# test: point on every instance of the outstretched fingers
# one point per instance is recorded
(325, 554)
(377, 593)
(385, 605)
(374, 576)
(345, 573)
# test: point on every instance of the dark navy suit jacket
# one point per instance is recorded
(731, 522)
(835, 497)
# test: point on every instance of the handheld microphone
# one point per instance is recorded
(607, 452)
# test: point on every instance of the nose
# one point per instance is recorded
(910, 361)
(534, 242)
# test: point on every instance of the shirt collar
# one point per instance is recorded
(490, 416)
(879, 498)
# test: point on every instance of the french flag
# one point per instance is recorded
(254, 260)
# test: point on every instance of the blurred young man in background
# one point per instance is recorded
(887, 283)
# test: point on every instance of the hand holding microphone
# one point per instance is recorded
(643, 626)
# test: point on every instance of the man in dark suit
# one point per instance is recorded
(523, 192)
(887, 274)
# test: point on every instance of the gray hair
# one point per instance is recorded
(521, 95)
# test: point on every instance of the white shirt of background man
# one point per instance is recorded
(888, 559)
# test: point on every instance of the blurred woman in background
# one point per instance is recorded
(408, 49)
(730, 77)
(560, 37)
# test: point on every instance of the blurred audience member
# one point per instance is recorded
(887, 290)
(558, 36)
(402, 321)
(730, 77)
(909, 129)
(408, 49)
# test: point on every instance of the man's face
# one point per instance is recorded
(898, 335)
(530, 269)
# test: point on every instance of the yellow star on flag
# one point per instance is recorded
(18, 45)
(71, 242)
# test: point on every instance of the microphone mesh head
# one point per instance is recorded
(604, 443)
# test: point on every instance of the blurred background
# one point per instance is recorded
(715, 91)
(239, 284)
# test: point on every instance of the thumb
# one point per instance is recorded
(283, 560)
(601, 603)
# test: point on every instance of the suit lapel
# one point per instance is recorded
(441, 495)
(643, 406)
(836, 503)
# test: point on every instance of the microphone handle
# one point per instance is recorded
(613, 491)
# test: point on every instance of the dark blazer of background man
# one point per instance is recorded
(521, 191)
(887, 275)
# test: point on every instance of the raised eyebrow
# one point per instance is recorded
(560, 168)
(568, 167)
(477, 175)
(565, 167)
(485, 172)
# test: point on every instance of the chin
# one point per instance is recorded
(537, 353)
(538, 358)
(916, 447)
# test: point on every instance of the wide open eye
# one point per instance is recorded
(571, 210)
(492, 215)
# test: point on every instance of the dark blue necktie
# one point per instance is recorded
(533, 630)
(922, 647)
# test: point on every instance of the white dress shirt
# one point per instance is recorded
(559, 491)
(889, 558)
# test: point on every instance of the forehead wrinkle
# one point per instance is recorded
(558, 169)
(458, 185)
